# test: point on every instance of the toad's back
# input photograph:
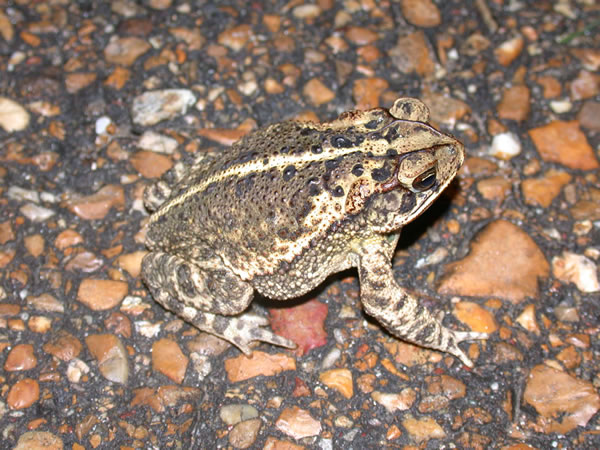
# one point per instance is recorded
(267, 196)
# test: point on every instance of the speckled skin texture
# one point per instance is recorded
(290, 204)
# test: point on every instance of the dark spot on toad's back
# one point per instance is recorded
(358, 170)
(289, 172)
(341, 142)
(381, 174)
(332, 163)
(371, 125)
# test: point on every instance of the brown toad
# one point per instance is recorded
(292, 203)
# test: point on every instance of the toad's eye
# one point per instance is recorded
(424, 181)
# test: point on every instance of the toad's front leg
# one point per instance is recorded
(401, 314)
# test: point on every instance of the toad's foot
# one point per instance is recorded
(451, 338)
(240, 330)
(243, 330)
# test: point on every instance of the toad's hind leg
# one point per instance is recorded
(209, 297)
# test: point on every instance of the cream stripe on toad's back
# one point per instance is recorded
(241, 170)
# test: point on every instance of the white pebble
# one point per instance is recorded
(102, 124)
(505, 146)
(561, 106)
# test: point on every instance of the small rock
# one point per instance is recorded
(132, 262)
(569, 357)
(589, 57)
(119, 324)
(411, 355)
(421, 13)
(506, 353)
(508, 51)
(577, 269)
(6, 233)
(423, 429)
(304, 324)
(297, 423)
(566, 313)
(77, 369)
(564, 143)
(412, 54)
(152, 107)
(102, 124)
(23, 394)
(6, 28)
(564, 402)
(124, 51)
(67, 238)
(6, 256)
(236, 38)
(541, 191)
(272, 86)
(589, 116)
(395, 402)
(366, 92)
(494, 188)
(147, 329)
(444, 109)
(561, 106)
(39, 324)
(23, 195)
(477, 318)
(306, 11)
(160, 4)
(84, 261)
(21, 357)
(39, 440)
(340, 380)
(46, 302)
(192, 37)
(43, 108)
(361, 35)
(78, 81)
(445, 385)
(234, 414)
(435, 257)
(111, 356)
(586, 85)
(36, 213)
(317, 93)
(505, 146)
(151, 164)
(515, 103)
(34, 245)
(168, 359)
(258, 363)
(97, 206)
(226, 136)
(100, 295)
(13, 117)
(528, 321)
(552, 87)
(63, 346)
(244, 434)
